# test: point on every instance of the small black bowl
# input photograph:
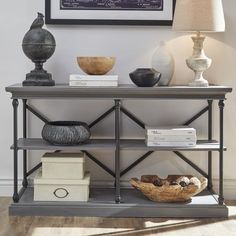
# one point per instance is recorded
(66, 132)
(145, 77)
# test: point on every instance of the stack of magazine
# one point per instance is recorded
(93, 80)
(171, 136)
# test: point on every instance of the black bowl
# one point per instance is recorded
(66, 132)
(145, 77)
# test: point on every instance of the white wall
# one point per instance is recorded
(133, 47)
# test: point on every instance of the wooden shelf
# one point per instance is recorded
(134, 204)
(40, 144)
(102, 202)
(125, 144)
(202, 145)
(128, 91)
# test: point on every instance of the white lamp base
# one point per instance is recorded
(199, 84)
(199, 81)
(198, 62)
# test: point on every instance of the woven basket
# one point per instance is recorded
(167, 193)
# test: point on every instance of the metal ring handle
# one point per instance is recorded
(59, 189)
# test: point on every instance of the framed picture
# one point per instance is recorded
(109, 12)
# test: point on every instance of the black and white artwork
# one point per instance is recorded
(140, 5)
(110, 12)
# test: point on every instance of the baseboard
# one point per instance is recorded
(6, 186)
(229, 188)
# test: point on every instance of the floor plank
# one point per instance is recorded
(77, 226)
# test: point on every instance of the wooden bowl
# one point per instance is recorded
(96, 65)
(167, 193)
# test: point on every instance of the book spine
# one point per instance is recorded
(94, 77)
(93, 83)
(170, 132)
(170, 144)
(171, 138)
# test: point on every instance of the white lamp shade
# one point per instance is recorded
(199, 15)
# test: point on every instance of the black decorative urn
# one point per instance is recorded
(38, 45)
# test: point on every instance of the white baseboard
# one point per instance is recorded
(229, 188)
(6, 187)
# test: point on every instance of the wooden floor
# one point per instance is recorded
(61, 226)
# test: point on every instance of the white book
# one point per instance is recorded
(170, 144)
(94, 77)
(170, 130)
(93, 83)
(171, 138)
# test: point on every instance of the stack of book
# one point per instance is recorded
(171, 136)
(94, 80)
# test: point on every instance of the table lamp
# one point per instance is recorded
(199, 16)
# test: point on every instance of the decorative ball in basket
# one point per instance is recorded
(175, 188)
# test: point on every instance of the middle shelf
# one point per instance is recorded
(125, 144)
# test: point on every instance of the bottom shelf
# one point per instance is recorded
(101, 204)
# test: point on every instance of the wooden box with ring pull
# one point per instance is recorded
(61, 189)
(63, 165)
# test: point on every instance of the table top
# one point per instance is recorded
(64, 91)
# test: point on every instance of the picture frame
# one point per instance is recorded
(119, 12)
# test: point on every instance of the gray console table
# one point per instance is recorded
(118, 202)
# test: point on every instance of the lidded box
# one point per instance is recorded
(63, 165)
(61, 189)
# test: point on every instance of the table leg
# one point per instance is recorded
(117, 152)
(221, 152)
(210, 185)
(25, 181)
(15, 104)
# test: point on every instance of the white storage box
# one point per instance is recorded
(61, 189)
(61, 165)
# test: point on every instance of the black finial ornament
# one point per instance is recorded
(38, 45)
(38, 22)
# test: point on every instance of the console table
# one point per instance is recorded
(118, 202)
